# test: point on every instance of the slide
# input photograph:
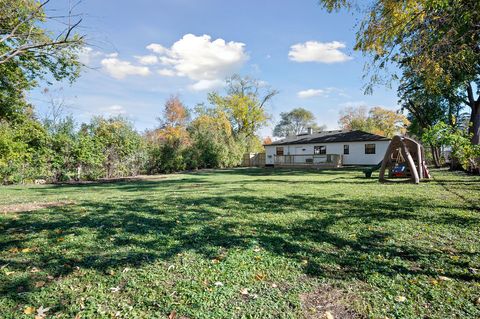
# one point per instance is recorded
(369, 170)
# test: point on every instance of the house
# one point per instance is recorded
(327, 149)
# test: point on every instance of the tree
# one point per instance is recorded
(119, 144)
(213, 144)
(244, 104)
(168, 142)
(427, 108)
(377, 121)
(295, 122)
(463, 151)
(29, 52)
(437, 39)
(354, 118)
(267, 140)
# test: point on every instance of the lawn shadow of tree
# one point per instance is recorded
(133, 232)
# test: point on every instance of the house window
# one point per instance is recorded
(279, 151)
(369, 148)
(346, 149)
(320, 150)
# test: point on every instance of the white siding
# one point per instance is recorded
(357, 154)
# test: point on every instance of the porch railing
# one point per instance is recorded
(334, 160)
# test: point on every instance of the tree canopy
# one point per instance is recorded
(295, 122)
(436, 41)
(29, 52)
(377, 121)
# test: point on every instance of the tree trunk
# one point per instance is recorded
(455, 164)
(474, 128)
(435, 156)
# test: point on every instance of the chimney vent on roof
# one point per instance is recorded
(310, 131)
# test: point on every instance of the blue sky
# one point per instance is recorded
(140, 52)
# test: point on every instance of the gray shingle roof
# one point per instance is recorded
(331, 137)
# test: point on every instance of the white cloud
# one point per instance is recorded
(157, 48)
(313, 51)
(147, 59)
(200, 59)
(203, 85)
(113, 110)
(305, 94)
(120, 69)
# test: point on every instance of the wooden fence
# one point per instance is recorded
(253, 160)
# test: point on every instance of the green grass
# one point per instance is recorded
(143, 249)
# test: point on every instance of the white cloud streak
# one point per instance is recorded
(322, 52)
(120, 69)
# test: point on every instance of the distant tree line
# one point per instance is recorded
(213, 135)
(57, 148)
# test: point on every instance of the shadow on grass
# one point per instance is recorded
(341, 237)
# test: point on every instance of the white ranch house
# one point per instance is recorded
(327, 149)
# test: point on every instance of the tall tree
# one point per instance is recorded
(438, 39)
(244, 103)
(295, 122)
(427, 108)
(29, 52)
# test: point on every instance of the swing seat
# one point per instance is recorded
(399, 171)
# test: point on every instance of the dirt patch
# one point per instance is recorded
(328, 302)
(30, 207)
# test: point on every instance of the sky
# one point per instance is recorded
(141, 52)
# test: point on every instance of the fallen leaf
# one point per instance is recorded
(42, 312)
(244, 291)
(274, 285)
(115, 289)
(329, 315)
(34, 270)
(443, 278)
(26, 250)
(260, 277)
(400, 298)
(172, 315)
(215, 261)
(13, 250)
(60, 239)
(29, 310)
(477, 301)
(8, 273)
(39, 284)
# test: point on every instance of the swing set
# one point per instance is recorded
(404, 158)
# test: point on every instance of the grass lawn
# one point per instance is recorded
(244, 243)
